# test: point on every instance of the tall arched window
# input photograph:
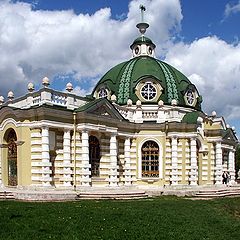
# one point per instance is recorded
(11, 139)
(150, 159)
(94, 155)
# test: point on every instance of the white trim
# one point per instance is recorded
(35, 124)
(9, 121)
(94, 127)
(140, 156)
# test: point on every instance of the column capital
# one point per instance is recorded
(84, 130)
(113, 134)
(193, 138)
(45, 127)
(67, 129)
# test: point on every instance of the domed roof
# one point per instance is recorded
(141, 40)
(128, 80)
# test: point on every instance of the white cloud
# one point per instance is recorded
(34, 44)
(214, 67)
(231, 9)
(80, 91)
(41, 43)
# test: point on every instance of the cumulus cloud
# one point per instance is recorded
(214, 67)
(34, 44)
(231, 9)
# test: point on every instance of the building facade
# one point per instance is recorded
(142, 126)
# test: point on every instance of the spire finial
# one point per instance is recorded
(143, 9)
(142, 26)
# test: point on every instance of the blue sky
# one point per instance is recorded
(200, 17)
(66, 40)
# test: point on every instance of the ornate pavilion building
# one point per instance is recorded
(141, 126)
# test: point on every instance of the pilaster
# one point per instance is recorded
(1, 167)
(174, 172)
(218, 167)
(133, 160)
(46, 171)
(231, 165)
(113, 171)
(193, 162)
(127, 165)
(36, 156)
(85, 159)
(67, 157)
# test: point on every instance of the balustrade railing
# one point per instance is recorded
(59, 99)
(150, 115)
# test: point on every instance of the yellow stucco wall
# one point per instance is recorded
(160, 138)
(23, 155)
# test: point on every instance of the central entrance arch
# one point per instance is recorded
(94, 155)
(11, 139)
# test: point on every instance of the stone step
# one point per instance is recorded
(109, 195)
(6, 195)
(218, 193)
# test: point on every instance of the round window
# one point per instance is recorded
(190, 96)
(137, 50)
(150, 50)
(102, 93)
(148, 91)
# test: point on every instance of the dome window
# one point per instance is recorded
(148, 91)
(190, 97)
(150, 50)
(103, 93)
(137, 50)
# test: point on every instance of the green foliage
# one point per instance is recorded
(159, 218)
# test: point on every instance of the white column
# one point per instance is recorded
(218, 167)
(67, 157)
(174, 172)
(1, 167)
(46, 179)
(127, 165)
(231, 165)
(193, 159)
(85, 159)
(113, 171)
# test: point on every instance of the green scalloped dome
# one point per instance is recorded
(141, 40)
(123, 79)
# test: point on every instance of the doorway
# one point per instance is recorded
(94, 156)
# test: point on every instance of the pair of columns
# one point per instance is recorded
(193, 162)
(219, 164)
(46, 165)
(85, 172)
(113, 169)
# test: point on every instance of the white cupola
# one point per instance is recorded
(142, 46)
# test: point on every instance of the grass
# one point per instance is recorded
(158, 218)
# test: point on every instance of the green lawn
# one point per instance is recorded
(159, 218)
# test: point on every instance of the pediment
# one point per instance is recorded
(101, 107)
(229, 136)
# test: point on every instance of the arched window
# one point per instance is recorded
(150, 159)
(94, 155)
(103, 93)
(11, 139)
